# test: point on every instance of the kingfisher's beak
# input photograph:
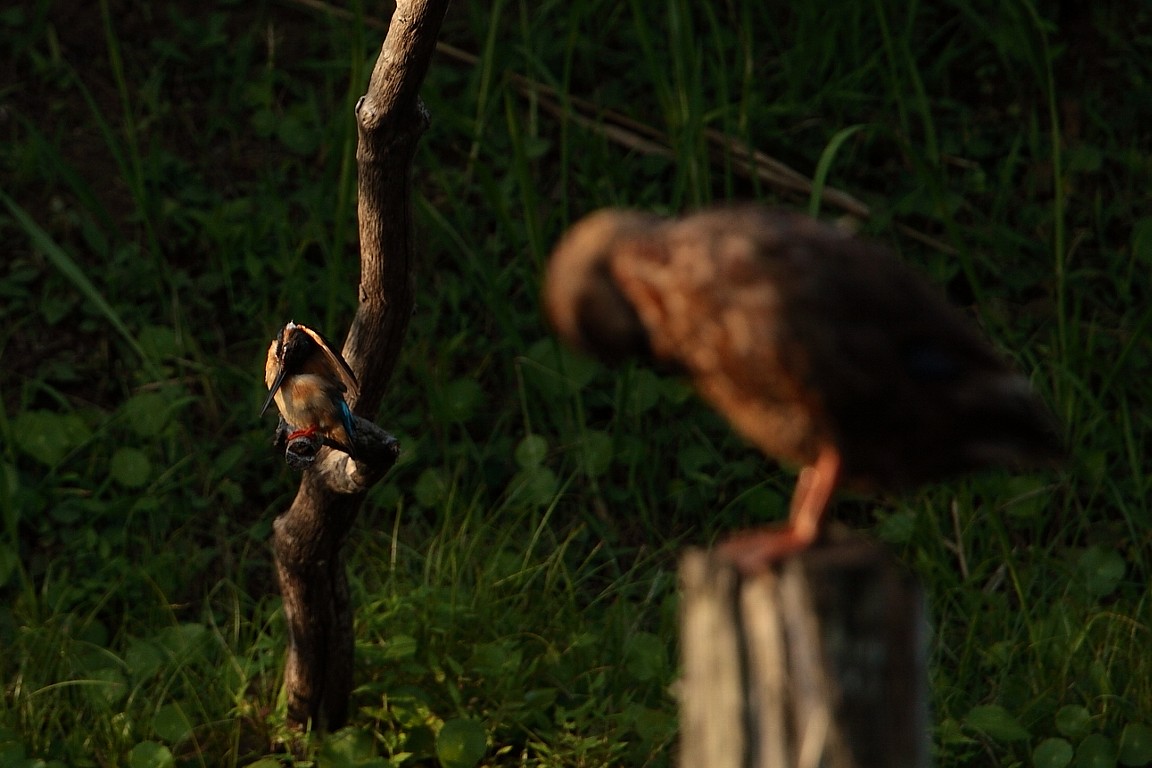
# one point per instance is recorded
(275, 388)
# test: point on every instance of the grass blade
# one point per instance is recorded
(73, 272)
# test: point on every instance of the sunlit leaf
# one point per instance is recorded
(399, 647)
(409, 705)
(150, 754)
(348, 748)
(461, 743)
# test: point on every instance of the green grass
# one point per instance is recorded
(182, 183)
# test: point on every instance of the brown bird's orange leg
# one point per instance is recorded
(753, 551)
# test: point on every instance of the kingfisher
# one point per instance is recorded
(821, 349)
(311, 383)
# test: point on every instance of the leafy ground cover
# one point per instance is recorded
(178, 181)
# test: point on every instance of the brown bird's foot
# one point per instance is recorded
(756, 550)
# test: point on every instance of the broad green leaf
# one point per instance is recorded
(1096, 751)
(160, 342)
(653, 726)
(1136, 745)
(1102, 569)
(646, 656)
(12, 754)
(693, 458)
(409, 706)
(540, 699)
(130, 467)
(495, 660)
(1073, 721)
(171, 724)
(535, 485)
(181, 639)
(399, 647)
(461, 743)
(296, 134)
(457, 401)
(143, 659)
(897, 528)
(531, 450)
(150, 754)
(348, 748)
(596, 450)
(106, 686)
(48, 436)
(1052, 753)
(643, 391)
(554, 370)
(996, 723)
(431, 487)
(148, 413)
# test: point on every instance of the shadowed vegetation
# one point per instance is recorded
(179, 181)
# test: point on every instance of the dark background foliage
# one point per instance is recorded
(179, 181)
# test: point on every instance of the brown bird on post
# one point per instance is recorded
(821, 349)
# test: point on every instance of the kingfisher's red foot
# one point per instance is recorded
(306, 432)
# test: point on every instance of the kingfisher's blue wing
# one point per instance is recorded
(346, 421)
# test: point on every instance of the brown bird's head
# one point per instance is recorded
(581, 297)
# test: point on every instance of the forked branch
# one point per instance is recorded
(308, 539)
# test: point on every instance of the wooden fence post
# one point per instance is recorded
(820, 663)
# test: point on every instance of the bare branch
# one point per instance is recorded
(308, 539)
